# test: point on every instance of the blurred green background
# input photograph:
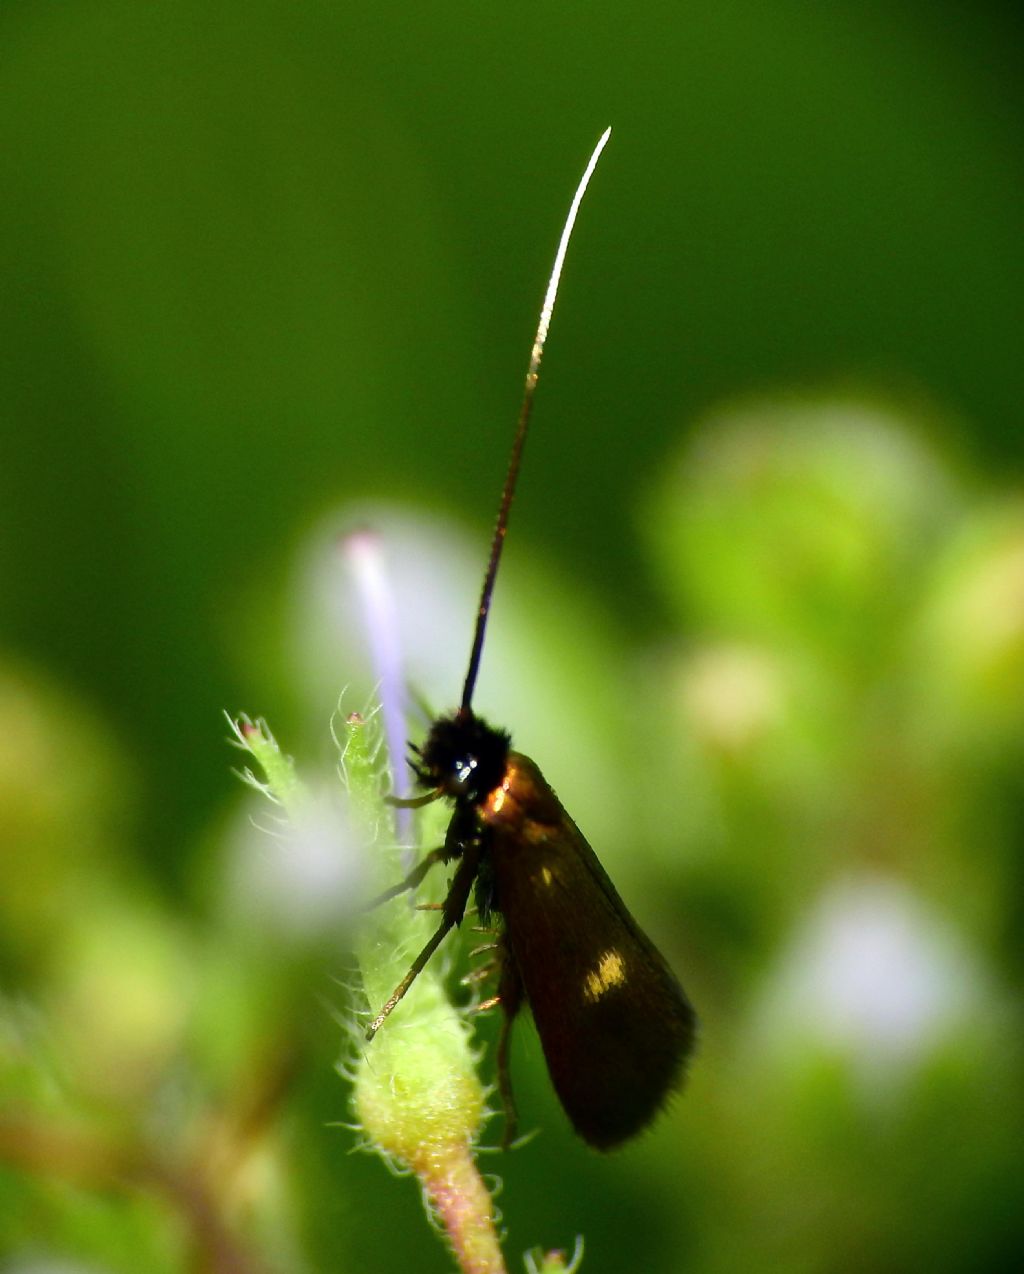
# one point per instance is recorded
(269, 270)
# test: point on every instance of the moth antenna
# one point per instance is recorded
(515, 459)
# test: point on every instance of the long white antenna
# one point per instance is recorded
(515, 459)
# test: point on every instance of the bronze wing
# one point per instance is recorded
(615, 1025)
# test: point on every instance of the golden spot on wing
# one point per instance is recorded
(610, 972)
(546, 875)
(497, 798)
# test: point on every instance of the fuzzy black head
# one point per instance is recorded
(463, 756)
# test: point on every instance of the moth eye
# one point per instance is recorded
(462, 775)
(464, 769)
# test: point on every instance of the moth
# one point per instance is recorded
(614, 1023)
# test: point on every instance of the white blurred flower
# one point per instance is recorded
(874, 975)
(732, 695)
(302, 876)
(433, 580)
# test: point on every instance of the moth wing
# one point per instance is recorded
(615, 1025)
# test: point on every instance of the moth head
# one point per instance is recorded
(463, 756)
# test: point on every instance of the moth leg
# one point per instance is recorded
(413, 802)
(412, 880)
(510, 995)
(479, 974)
(454, 907)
